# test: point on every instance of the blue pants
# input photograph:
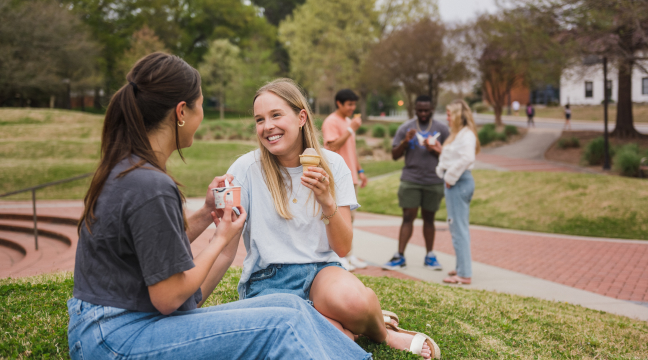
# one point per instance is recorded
(458, 205)
(278, 326)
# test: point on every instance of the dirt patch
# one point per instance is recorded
(574, 156)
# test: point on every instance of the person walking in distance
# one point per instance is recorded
(420, 186)
(457, 158)
(530, 111)
(338, 131)
(567, 118)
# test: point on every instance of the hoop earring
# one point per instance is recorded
(181, 125)
(300, 128)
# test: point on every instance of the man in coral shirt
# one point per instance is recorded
(339, 136)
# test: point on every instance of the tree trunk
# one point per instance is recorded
(221, 104)
(363, 105)
(624, 128)
(97, 98)
(498, 114)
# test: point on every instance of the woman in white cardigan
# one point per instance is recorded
(457, 158)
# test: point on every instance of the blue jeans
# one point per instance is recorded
(458, 205)
(273, 327)
(293, 279)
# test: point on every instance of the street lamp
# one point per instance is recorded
(606, 151)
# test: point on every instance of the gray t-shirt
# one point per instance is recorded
(137, 240)
(420, 164)
(271, 239)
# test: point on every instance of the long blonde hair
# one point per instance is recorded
(461, 116)
(273, 171)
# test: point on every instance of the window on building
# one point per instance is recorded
(589, 89)
(644, 86)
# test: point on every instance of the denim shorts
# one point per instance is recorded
(285, 278)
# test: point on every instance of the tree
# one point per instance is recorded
(218, 69)
(415, 57)
(328, 42)
(44, 50)
(143, 42)
(514, 47)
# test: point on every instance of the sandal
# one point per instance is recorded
(388, 316)
(452, 273)
(417, 343)
(457, 280)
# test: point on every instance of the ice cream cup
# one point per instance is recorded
(309, 160)
(224, 194)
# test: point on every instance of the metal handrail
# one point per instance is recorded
(33, 191)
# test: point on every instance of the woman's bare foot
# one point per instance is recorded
(402, 341)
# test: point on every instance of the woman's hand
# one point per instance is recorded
(229, 226)
(317, 180)
(219, 181)
(436, 147)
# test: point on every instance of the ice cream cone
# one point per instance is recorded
(309, 158)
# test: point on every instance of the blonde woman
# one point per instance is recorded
(457, 158)
(299, 222)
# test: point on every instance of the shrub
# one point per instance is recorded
(628, 160)
(392, 129)
(200, 133)
(594, 151)
(362, 130)
(571, 142)
(487, 134)
(501, 136)
(387, 145)
(480, 107)
(318, 124)
(510, 130)
(378, 131)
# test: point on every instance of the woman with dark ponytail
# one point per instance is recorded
(138, 289)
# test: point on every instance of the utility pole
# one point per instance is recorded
(606, 159)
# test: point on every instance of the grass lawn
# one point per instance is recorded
(563, 203)
(467, 324)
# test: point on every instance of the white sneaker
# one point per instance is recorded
(346, 265)
(353, 260)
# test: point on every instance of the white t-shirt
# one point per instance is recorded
(271, 239)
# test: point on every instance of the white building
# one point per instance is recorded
(583, 85)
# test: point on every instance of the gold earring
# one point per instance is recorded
(301, 127)
(181, 125)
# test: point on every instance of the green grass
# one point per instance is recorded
(467, 324)
(562, 203)
(376, 168)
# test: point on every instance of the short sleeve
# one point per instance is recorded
(159, 238)
(330, 131)
(400, 135)
(344, 189)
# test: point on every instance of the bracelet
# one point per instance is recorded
(351, 130)
(325, 218)
(360, 171)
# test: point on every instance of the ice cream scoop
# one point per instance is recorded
(309, 158)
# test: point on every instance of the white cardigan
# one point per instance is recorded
(457, 157)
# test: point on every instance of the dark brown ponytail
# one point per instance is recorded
(156, 84)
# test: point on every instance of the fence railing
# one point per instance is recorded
(33, 191)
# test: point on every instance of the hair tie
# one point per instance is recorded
(134, 87)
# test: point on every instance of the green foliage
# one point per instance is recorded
(487, 134)
(510, 130)
(627, 160)
(387, 145)
(318, 124)
(595, 151)
(465, 323)
(392, 129)
(565, 143)
(362, 130)
(378, 131)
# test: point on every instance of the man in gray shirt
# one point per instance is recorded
(420, 186)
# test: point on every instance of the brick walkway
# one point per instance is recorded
(612, 268)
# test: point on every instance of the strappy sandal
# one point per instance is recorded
(457, 280)
(388, 316)
(416, 346)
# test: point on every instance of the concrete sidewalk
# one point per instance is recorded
(378, 245)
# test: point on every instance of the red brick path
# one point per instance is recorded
(611, 268)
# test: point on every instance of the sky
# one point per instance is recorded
(462, 10)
